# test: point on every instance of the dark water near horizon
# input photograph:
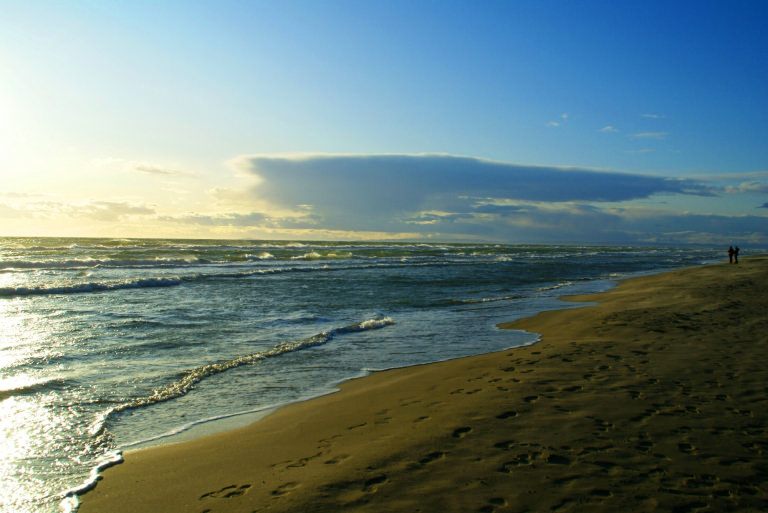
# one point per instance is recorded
(105, 343)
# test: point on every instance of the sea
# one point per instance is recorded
(113, 344)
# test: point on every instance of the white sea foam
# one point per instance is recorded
(191, 377)
(69, 499)
(555, 286)
(485, 300)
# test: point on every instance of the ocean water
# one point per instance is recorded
(108, 343)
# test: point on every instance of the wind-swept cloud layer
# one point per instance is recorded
(422, 196)
(465, 197)
(393, 183)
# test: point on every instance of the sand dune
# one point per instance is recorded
(654, 400)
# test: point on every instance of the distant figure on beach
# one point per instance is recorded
(736, 255)
(730, 254)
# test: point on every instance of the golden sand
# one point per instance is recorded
(654, 400)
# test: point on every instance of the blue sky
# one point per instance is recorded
(546, 121)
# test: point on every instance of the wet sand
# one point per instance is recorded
(656, 399)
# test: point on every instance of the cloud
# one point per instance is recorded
(440, 193)
(752, 187)
(654, 116)
(154, 169)
(563, 116)
(608, 128)
(651, 135)
(147, 168)
(253, 219)
(20, 195)
(110, 211)
(395, 182)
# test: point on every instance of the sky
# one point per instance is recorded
(587, 122)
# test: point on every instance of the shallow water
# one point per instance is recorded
(105, 343)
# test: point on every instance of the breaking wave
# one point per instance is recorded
(189, 378)
(483, 300)
(80, 288)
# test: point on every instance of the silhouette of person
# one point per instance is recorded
(730, 254)
(736, 255)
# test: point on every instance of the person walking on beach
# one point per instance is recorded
(736, 255)
(730, 254)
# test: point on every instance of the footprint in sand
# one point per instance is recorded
(461, 432)
(557, 459)
(285, 488)
(338, 459)
(429, 458)
(519, 460)
(374, 483)
(507, 415)
(227, 492)
(303, 461)
(493, 503)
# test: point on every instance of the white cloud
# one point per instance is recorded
(654, 116)
(154, 169)
(563, 116)
(132, 166)
(752, 187)
(252, 220)
(59, 210)
(608, 128)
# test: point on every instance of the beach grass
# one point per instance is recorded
(653, 399)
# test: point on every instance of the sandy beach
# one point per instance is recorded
(653, 399)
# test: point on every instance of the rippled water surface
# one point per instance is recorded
(105, 343)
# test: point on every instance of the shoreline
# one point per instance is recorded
(393, 439)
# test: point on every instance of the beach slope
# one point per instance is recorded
(655, 399)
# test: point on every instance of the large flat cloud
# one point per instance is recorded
(387, 183)
(441, 194)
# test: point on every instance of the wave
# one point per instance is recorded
(555, 287)
(92, 287)
(186, 380)
(171, 281)
(11, 387)
(92, 263)
(483, 300)
(315, 255)
(70, 500)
